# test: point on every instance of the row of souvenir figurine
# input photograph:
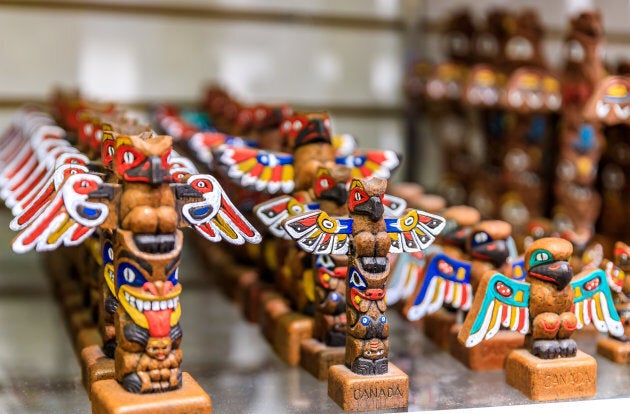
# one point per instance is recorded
(110, 195)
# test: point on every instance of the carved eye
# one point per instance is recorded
(357, 196)
(365, 321)
(87, 129)
(543, 256)
(328, 224)
(297, 125)
(324, 183)
(540, 257)
(334, 297)
(128, 157)
(129, 275)
(356, 280)
(409, 221)
(110, 253)
(201, 184)
(286, 126)
(481, 237)
(323, 260)
(110, 151)
(383, 319)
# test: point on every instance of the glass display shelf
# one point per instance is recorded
(229, 357)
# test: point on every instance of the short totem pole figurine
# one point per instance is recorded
(367, 238)
(138, 212)
(547, 307)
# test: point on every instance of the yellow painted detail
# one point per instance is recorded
(54, 236)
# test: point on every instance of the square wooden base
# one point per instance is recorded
(316, 357)
(273, 306)
(616, 351)
(291, 329)
(353, 392)
(488, 355)
(252, 300)
(109, 397)
(95, 366)
(437, 327)
(551, 379)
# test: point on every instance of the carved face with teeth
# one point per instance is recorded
(532, 90)
(484, 86)
(148, 285)
(610, 103)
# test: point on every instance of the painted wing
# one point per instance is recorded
(593, 303)
(445, 280)
(259, 170)
(214, 216)
(273, 212)
(344, 144)
(393, 206)
(405, 275)
(35, 204)
(414, 231)
(202, 144)
(371, 163)
(67, 219)
(318, 233)
(500, 301)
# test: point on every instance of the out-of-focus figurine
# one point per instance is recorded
(547, 307)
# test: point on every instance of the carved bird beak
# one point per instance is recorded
(338, 194)
(373, 208)
(495, 251)
(558, 273)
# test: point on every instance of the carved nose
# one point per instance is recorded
(375, 294)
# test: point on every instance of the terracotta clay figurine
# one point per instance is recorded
(547, 308)
(138, 211)
(367, 238)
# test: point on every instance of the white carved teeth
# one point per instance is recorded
(515, 99)
(153, 305)
(622, 113)
(602, 109)
(534, 101)
(553, 102)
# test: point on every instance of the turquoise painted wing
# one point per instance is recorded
(593, 303)
(500, 301)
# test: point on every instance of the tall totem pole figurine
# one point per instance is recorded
(367, 380)
(547, 308)
(581, 141)
(138, 210)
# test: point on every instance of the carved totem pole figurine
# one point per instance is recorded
(547, 307)
(137, 210)
(367, 238)
(581, 140)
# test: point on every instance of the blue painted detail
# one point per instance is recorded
(334, 297)
(127, 274)
(107, 253)
(586, 139)
(434, 271)
(365, 321)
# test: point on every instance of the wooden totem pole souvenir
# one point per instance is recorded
(367, 380)
(137, 212)
(609, 105)
(323, 279)
(617, 348)
(581, 141)
(547, 308)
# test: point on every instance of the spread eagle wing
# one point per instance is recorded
(273, 212)
(405, 276)
(34, 204)
(445, 280)
(67, 218)
(393, 206)
(414, 231)
(318, 233)
(202, 144)
(500, 301)
(259, 170)
(593, 302)
(371, 163)
(213, 215)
